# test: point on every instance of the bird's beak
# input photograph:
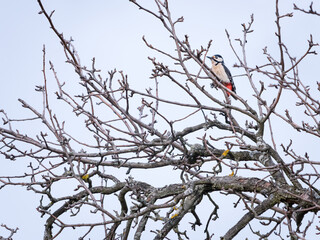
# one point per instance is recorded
(211, 58)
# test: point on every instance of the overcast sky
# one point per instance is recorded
(111, 31)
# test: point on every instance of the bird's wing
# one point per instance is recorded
(230, 78)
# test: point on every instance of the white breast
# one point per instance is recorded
(220, 73)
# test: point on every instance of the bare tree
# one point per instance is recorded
(280, 193)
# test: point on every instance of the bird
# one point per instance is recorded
(222, 72)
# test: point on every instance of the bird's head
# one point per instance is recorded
(216, 59)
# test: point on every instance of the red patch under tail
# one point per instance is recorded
(229, 86)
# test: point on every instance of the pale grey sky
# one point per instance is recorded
(111, 31)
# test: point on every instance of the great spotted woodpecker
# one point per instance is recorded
(222, 72)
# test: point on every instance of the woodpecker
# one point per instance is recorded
(222, 72)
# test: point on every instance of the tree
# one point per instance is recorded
(217, 147)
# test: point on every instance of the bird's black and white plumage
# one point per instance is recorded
(222, 72)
